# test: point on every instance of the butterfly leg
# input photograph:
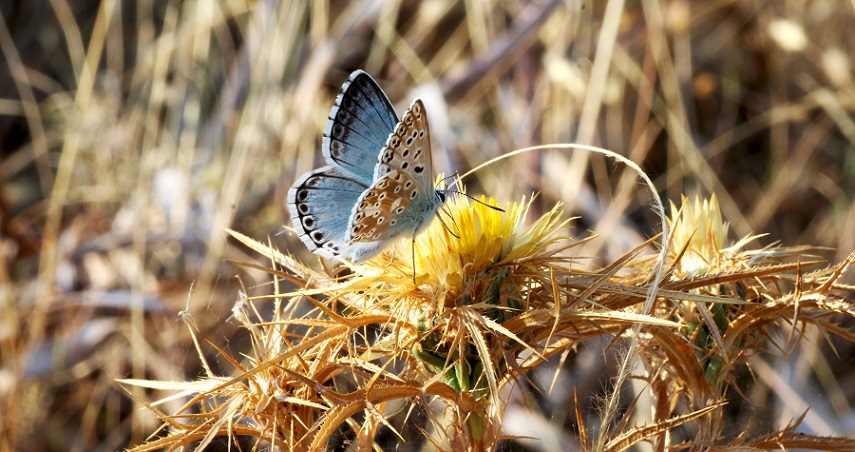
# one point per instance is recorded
(413, 253)
(445, 225)
(392, 259)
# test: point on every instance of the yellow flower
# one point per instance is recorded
(698, 225)
(468, 239)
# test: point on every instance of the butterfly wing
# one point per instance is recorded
(321, 203)
(359, 124)
(361, 200)
(408, 148)
(385, 210)
(401, 199)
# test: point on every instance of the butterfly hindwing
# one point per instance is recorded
(386, 209)
(320, 203)
(358, 127)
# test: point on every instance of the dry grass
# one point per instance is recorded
(134, 134)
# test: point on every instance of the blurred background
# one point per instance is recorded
(133, 132)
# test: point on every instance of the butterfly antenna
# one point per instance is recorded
(456, 192)
(455, 176)
(453, 192)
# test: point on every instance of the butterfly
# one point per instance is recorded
(377, 184)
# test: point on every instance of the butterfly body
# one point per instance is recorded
(378, 183)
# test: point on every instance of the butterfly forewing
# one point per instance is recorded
(408, 148)
(358, 127)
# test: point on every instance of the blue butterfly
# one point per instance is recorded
(378, 181)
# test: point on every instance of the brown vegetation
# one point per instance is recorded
(147, 147)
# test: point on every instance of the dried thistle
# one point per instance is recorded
(356, 359)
